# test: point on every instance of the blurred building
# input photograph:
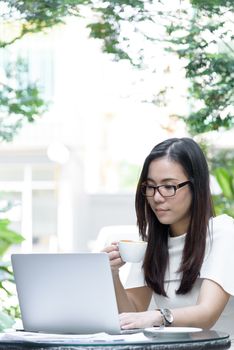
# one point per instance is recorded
(75, 170)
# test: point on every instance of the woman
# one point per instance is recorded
(189, 263)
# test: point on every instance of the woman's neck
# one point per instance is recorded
(178, 229)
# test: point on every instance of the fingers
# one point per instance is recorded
(138, 319)
(115, 243)
(129, 321)
(110, 248)
(114, 256)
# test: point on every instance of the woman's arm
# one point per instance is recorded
(129, 300)
(210, 304)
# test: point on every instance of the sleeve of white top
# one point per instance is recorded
(218, 264)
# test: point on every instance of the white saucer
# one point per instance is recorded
(173, 329)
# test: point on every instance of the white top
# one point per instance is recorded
(218, 265)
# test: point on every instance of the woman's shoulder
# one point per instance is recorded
(219, 258)
(221, 225)
(221, 233)
(221, 219)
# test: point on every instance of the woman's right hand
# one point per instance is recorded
(115, 260)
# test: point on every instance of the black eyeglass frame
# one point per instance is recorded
(175, 187)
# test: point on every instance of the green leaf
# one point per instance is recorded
(225, 181)
(5, 321)
(6, 276)
(7, 236)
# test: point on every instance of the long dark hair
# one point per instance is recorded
(189, 155)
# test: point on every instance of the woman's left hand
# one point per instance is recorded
(129, 320)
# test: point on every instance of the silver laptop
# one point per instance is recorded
(66, 293)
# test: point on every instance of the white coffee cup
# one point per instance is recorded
(132, 251)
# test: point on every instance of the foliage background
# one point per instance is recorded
(199, 33)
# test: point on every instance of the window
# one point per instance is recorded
(32, 190)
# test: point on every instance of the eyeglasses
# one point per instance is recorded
(164, 190)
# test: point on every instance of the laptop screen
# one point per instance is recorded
(66, 293)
